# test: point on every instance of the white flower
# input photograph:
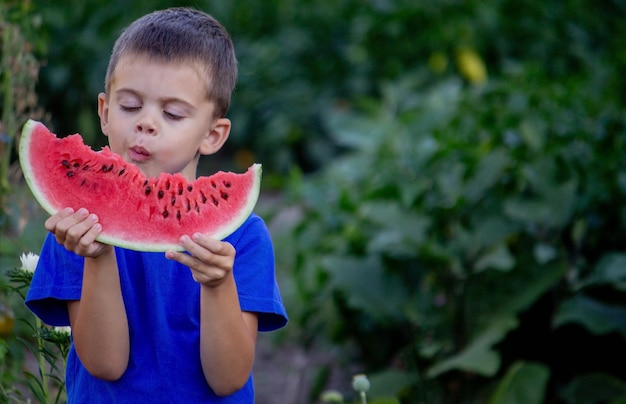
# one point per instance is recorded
(29, 262)
(63, 330)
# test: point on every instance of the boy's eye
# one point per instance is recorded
(172, 115)
(129, 108)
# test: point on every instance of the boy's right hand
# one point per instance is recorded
(77, 232)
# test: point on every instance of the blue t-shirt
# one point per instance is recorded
(163, 308)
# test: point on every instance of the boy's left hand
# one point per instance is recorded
(211, 261)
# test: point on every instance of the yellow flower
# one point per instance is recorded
(471, 66)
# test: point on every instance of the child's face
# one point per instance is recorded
(157, 116)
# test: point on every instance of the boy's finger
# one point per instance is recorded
(195, 249)
(180, 257)
(80, 228)
(89, 237)
(51, 223)
(202, 254)
(68, 219)
(213, 245)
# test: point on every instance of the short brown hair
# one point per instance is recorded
(182, 35)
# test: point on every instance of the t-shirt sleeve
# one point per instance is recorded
(255, 275)
(57, 279)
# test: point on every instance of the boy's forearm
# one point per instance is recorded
(99, 322)
(227, 338)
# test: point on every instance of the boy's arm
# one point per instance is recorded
(227, 335)
(227, 338)
(98, 320)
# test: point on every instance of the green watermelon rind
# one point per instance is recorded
(221, 233)
(27, 131)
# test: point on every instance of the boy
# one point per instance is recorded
(154, 327)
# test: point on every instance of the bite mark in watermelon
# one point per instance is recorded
(136, 212)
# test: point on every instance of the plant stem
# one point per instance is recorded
(42, 362)
(7, 106)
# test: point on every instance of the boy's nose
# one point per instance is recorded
(145, 128)
(145, 124)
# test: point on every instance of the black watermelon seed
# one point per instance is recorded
(105, 169)
(224, 196)
(216, 202)
(160, 194)
(65, 163)
(70, 173)
(202, 197)
(213, 184)
(122, 171)
(145, 183)
(178, 215)
(76, 165)
(189, 188)
(173, 200)
(166, 213)
(227, 184)
(148, 190)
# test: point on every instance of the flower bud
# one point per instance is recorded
(360, 383)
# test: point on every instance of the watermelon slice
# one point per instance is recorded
(139, 213)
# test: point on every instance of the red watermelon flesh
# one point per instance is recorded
(139, 213)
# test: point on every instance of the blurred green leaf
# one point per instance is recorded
(389, 383)
(3, 350)
(533, 132)
(552, 209)
(490, 170)
(478, 356)
(401, 230)
(597, 317)
(497, 294)
(498, 258)
(523, 383)
(366, 286)
(610, 270)
(594, 388)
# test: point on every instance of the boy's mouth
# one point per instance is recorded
(138, 153)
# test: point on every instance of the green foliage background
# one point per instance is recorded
(466, 236)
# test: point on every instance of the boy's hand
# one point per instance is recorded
(77, 232)
(211, 261)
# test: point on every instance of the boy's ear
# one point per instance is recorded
(216, 137)
(103, 113)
